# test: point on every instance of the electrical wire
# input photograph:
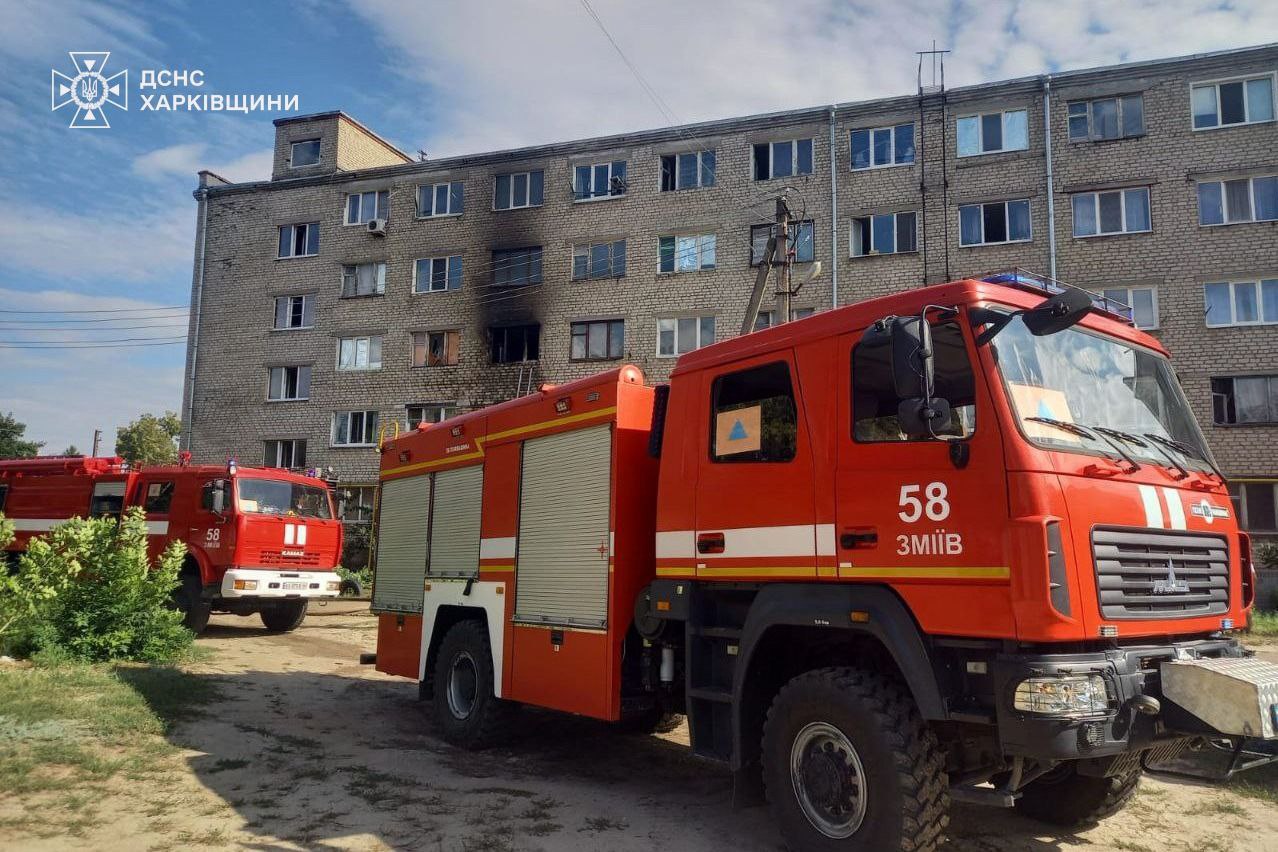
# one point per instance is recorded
(93, 345)
(97, 310)
(6, 327)
(99, 340)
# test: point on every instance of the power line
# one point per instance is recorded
(94, 345)
(100, 319)
(86, 342)
(6, 327)
(652, 93)
(99, 310)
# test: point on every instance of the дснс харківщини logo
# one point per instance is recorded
(90, 89)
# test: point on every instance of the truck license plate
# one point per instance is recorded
(294, 586)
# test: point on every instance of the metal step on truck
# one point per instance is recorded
(962, 542)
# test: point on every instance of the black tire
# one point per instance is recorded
(466, 710)
(1063, 797)
(188, 599)
(283, 616)
(351, 588)
(904, 793)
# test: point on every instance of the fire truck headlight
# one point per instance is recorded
(1071, 695)
(334, 585)
(246, 585)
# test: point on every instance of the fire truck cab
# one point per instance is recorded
(965, 541)
(258, 540)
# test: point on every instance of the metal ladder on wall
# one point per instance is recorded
(526, 382)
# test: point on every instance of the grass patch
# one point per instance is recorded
(1259, 783)
(1264, 624)
(1216, 807)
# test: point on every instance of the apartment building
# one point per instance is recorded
(359, 291)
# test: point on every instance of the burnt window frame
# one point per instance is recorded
(716, 387)
(505, 330)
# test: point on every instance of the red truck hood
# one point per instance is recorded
(271, 541)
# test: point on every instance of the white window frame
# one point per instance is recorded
(364, 413)
(702, 170)
(1241, 78)
(794, 158)
(872, 130)
(433, 188)
(1271, 383)
(278, 444)
(450, 261)
(412, 351)
(586, 250)
(610, 194)
(379, 279)
(896, 236)
(308, 301)
(1224, 201)
(511, 190)
(284, 383)
(700, 344)
(795, 238)
(445, 409)
(1091, 118)
(700, 242)
(371, 342)
(293, 240)
(379, 195)
(1258, 283)
(1130, 302)
(1096, 194)
(980, 132)
(1007, 220)
(292, 153)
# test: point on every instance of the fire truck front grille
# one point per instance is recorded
(275, 557)
(1143, 573)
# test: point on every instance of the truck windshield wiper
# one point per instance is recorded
(1064, 426)
(1084, 432)
(1110, 434)
(1187, 450)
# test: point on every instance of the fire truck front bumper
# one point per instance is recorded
(271, 583)
(1089, 705)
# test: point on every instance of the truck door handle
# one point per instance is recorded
(710, 542)
(859, 538)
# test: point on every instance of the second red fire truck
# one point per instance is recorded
(258, 540)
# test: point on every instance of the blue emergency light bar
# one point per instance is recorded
(1050, 287)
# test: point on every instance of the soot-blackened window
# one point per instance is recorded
(754, 416)
(874, 399)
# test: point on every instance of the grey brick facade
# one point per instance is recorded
(238, 275)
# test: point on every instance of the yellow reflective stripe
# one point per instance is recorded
(676, 571)
(963, 572)
(761, 570)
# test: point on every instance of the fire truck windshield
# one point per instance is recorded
(1079, 391)
(273, 497)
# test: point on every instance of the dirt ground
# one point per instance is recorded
(308, 750)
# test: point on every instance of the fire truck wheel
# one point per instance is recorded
(466, 710)
(1063, 797)
(284, 616)
(189, 601)
(850, 766)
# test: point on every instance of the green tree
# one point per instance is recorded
(72, 450)
(12, 445)
(149, 439)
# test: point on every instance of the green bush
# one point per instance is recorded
(1266, 555)
(86, 592)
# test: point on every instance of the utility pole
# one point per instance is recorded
(778, 240)
(97, 442)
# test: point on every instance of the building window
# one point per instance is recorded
(995, 222)
(513, 267)
(599, 260)
(364, 207)
(597, 341)
(363, 279)
(883, 146)
(767, 319)
(437, 274)
(1256, 505)
(293, 312)
(304, 153)
(992, 132)
(1242, 200)
(299, 240)
(886, 233)
(755, 418)
(599, 180)
(359, 353)
(677, 335)
(782, 159)
(436, 348)
(512, 344)
(685, 254)
(1241, 302)
(802, 239)
(519, 189)
(357, 503)
(430, 412)
(354, 428)
(440, 199)
(288, 383)
(1142, 300)
(1122, 211)
(687, 171)
(1244, 399)
(1107, 118)
(1233, 102)
(289, 453)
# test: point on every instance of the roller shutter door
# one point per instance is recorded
(561, 573)
(454, 535)
(402, 539)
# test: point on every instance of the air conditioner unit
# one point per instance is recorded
(377, 226)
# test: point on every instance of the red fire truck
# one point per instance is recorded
(962, 542)
(258, 540)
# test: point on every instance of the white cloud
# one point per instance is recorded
(541, 72)
(186, 159)
(45, 29)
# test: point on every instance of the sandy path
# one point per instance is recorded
(307, 749)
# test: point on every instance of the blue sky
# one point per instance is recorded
(104, 219)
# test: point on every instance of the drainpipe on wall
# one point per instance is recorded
(834, 217)
(197, 299)
(1051, 190)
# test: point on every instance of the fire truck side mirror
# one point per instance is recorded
(219, 499)
(1058, 313)
(920, 418)
(912, 363)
